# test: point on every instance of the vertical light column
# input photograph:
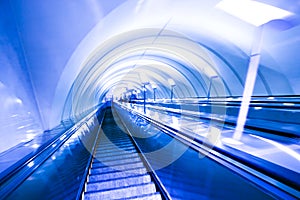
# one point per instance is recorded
(260, 15)
(249, 83)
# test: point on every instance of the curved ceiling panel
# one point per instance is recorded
(128, 49)
(142, 56)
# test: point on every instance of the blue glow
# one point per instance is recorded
(253, 12)
(199, 62)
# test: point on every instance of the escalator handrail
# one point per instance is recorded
(10, 171)
(20, 174)
(216, 152)
(277, 131)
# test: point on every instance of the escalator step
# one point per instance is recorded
(112, 154)
(116, 157)
(109, 144)
(99, 156)
(124, 192)
(116, 168)
(155, 196)
(116, 162)
(103, 151)
(113, 148)
(118, 183)
(118, 174)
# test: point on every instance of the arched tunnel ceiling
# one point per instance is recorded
(135, 49)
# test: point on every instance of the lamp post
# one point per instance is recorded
(209, 87)
(154, 87)
(144, 90)
(172, 84)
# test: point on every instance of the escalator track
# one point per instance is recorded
(118, 170)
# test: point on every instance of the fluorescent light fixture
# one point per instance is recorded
(153, 85)
(253, 12)
(63, 137)
(171, 82)
(288, 104)
(30, 164)
(35, 146)
(20, 127)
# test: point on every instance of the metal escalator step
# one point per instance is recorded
(109, 142)
(99, 156)
(117, 174)
(112, 133)
(115, 149)
(124, 192)
(118, 183)
(112, 154)
(118, 142)
(116, 162)
(117, 157)
(112, 146)
(116, 168)
(154, 196)
(115, 137)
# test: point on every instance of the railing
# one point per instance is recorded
(235, 100)
(89, 163)
(275, 111)
(17, 176)
(272, 178)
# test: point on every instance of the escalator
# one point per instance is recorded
(116, 154)
(117, 170)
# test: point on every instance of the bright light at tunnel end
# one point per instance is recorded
(134, 74)
(253, 12)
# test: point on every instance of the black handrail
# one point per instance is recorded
(19, 175)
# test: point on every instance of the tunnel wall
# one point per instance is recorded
(46, 45)
(36, 40)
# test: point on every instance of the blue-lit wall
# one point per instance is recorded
(17, 96)
(49, 48)
(37, 40)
